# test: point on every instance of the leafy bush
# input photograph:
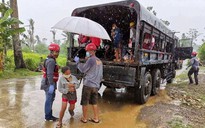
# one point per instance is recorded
(202, 53)
(61, 61)
(9, 63)
(32, 60)
(31, 64)
(26, 49)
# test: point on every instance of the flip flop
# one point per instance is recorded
(94, 121)
(83, 121)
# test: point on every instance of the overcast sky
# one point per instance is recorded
(182, 14)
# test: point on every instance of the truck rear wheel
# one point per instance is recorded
(170, 81)
(143, 93)
(156, 79)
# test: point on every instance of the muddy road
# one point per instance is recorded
(22, 105)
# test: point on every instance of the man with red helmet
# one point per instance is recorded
(194, 64)
(93, 70)
(50, 77)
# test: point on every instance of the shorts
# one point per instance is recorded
(70, 97)
(89, 95)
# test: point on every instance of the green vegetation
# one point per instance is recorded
(18, 73)
(182, 76)
(202, 53)
(32, 61)
(177, 123)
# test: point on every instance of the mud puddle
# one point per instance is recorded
(22, 105)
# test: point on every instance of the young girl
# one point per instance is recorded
(67, 85)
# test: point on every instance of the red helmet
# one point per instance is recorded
(194, 53)
(54, 47)
(90, 47)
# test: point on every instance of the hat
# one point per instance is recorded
(54, 47)
(91, 47)
(194, 53)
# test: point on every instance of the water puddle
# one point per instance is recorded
(22, 105)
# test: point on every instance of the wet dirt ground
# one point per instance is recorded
(186, 109)
(22, 105)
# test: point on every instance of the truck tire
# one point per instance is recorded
(143, 93)
(170, 81)
(156, 80)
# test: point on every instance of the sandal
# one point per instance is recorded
(94, 121)
(83, 121)
(59, 125)
(71, 113)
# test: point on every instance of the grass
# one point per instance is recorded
(19, 73)
(31, 60)
(177, 123)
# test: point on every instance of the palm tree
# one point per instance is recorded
(31, 34)
(38, 40)
(18, 56)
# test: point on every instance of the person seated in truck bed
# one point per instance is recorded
(148, 42)
(83, 40)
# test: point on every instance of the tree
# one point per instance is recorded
(194, 34)
(6, 31)
(31, 34)
(38, 39)
(5, 35)
(41, 48)
(201, 53)
(29, 39)
(18, 56)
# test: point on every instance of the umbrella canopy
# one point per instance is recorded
(81, 25)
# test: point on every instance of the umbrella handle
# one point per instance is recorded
(80, 48)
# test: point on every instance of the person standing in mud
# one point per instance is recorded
(67, 85)
(93, 70)
(50, 77)
(194, 64)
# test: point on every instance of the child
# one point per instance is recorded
(67, 85)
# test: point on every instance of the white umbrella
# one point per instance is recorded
(81, 25)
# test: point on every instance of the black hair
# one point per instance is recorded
(64, 69)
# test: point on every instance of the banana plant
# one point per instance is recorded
(6, 31)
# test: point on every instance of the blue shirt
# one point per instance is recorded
(117, 36)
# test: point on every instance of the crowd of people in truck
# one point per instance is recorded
(121, 51)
